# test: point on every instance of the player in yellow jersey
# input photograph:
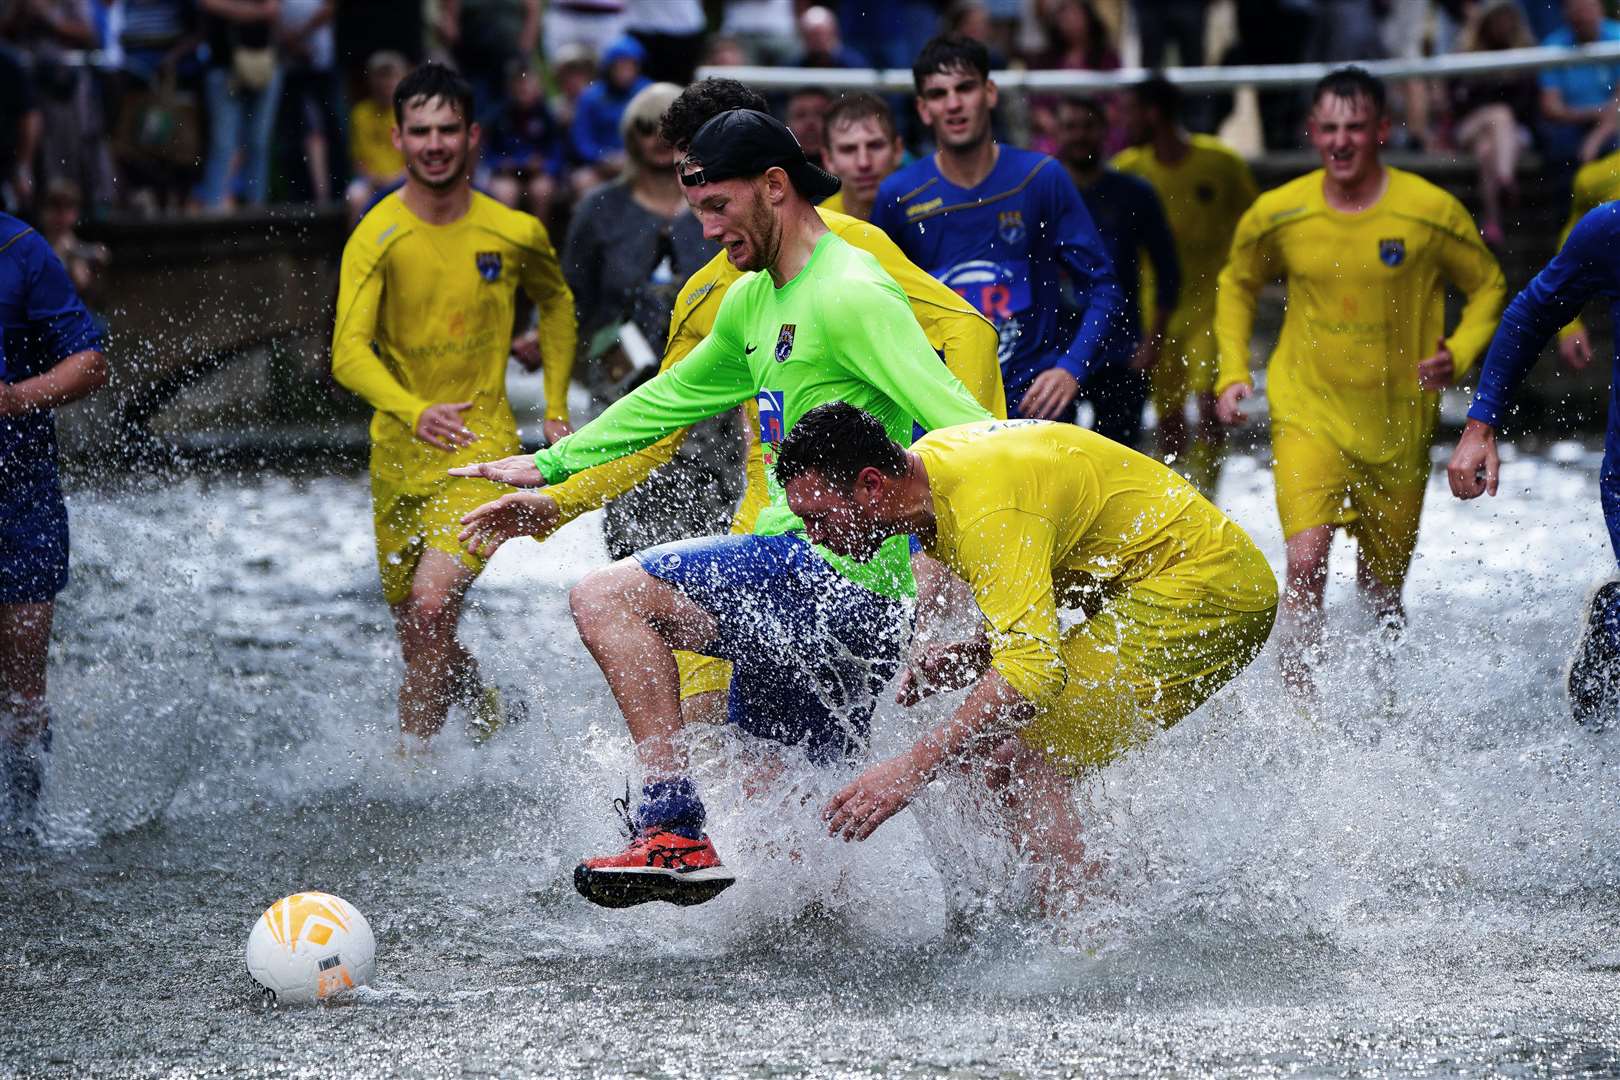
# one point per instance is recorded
(964, 338)
(424, 328)
(1037, 516)
(1596, 182)
(1366, 252)
(1204, 187)
(862, 147)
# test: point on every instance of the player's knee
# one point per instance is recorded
(602, 594)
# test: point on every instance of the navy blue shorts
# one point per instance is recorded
(810, 650)
(33, 539)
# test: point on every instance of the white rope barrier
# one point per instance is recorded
(1455, 65)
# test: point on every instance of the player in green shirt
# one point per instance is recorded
(812, 636)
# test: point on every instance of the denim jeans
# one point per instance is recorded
(238, 119)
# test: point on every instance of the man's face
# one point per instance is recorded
(805, 118)
(956, 106)
(436, 141)
(1136, 119)
(1081, 134)
(1347, 133)
(843, 521)
(861, 154)
(1585, 18)
(649, 147)
(736, 215)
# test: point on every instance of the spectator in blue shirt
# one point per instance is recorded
(596, 118)
(524, 146)
(50, 354)
(1574, 100)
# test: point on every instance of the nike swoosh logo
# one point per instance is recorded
(749, 350)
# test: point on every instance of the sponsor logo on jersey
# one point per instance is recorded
(1010, 224)
(996, 292)
(1392, 252)
(772, 416)
(924, 207)
(489, 265)
(784, 342)
(697, 294)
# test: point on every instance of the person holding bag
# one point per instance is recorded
(242, 89)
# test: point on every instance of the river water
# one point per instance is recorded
(1420, 881)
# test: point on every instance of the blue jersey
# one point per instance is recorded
(1130, 220)
(42, 323)
(1004, 245)
(1588, 265)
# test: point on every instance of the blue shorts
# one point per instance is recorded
(33, 538)
(810, 650)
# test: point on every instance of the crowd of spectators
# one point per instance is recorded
(207, 105)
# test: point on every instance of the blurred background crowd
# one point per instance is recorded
(175, 107)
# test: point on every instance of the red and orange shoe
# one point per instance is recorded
(658, 865)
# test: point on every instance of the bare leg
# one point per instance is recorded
(25, 634)
(631, 622)
(1384, 599)
(1302, 604)
(1037, 803)
(320, 181)
(438, 670)
(705, 708)
(1173, 432)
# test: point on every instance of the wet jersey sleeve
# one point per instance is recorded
(57, 318)
(712, 379)
(1583, 268)
(1469, 265)
(355, 363)
(559, 334)
(1248, 267)
(1006, 558)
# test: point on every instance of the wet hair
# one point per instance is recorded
(1350, 82)
(1089, 104)
(433, 81)
(838, 440)
(950, 52)
(852, 107)
(1158, 92)
(702, 102)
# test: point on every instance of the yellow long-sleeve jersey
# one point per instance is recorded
(425, 316)
(1596, 183)
(953, 327)
(1204, 194)
(1366, 303)
(1035, 515)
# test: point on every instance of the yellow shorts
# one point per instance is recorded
(1138, 665)
(1187, 366)
(409, 524)
(1319, 484)
(702, 674)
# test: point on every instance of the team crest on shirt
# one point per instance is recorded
(1392, 252)
(489, 265)
(1010, 223)
(784, 342)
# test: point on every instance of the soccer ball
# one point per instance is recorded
(310, 946)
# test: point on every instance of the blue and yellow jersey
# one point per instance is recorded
(42, 323)
(1596, 183)
(1005, 245)
(1204, 194)
(953, 328)
(425, 315)
(1366, 303)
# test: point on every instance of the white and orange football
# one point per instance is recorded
(309, 947)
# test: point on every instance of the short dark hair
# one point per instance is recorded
(809, 91)
(433, 81)
(1089, 104)
(853, 107)
(838, 440)
(950, 52)
(1351, 81)
(1158, 92)
(702, 102)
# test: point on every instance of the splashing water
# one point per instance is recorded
(1420, 879)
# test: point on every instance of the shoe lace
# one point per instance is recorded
(628, 819)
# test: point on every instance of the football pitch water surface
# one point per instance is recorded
(1421, 881)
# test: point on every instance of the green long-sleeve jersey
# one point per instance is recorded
(841, 330)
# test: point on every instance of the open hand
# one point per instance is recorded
(522, 513)
(874, 797)
(939, 668)
(442, 425)
(1050, 396)
(519, 470)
